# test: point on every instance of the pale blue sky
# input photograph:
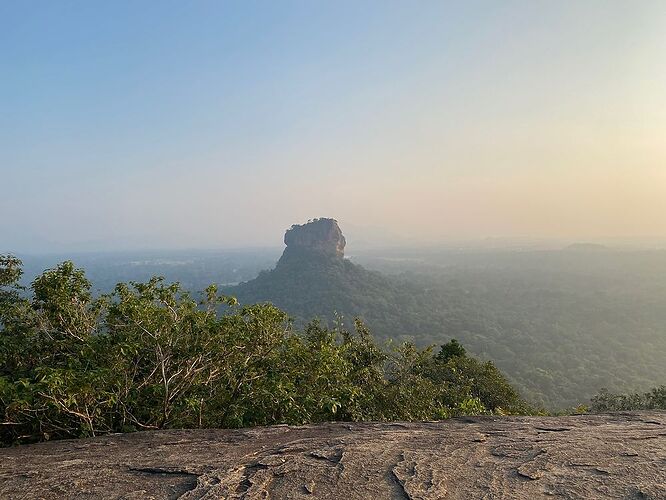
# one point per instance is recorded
(215, 124)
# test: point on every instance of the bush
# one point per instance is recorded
(150, 356)
(606, 401)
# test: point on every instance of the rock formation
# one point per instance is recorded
(312, 279)
(319, 237)
(585, 456)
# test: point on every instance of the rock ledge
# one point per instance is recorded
(586, 456)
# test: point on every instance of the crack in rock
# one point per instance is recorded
(248, 473)
(189, 480)
(399, 485)
(333, 456)
(163, 470)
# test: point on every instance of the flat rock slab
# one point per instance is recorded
(585, 456)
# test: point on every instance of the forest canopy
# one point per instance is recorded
(560, 324)
(150, 355)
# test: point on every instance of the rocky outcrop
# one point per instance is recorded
(321, 237)
(585, 456)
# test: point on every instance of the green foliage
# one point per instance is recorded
(451, 350)
(560, 325)
(605, 401)
(150, 356)
(10, 271)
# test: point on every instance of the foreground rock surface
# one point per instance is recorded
(587, 456)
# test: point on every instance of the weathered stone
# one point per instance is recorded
(584, 456)
(319, 237)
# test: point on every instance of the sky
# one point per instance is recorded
(206, 124)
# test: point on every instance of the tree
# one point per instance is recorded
(150, 356)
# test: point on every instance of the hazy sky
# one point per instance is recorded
(214, 124)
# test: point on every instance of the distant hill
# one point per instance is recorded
(312, 278)
(561, 324)
(587, 247)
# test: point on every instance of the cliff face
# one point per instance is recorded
(319, 237)
(584, 456)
